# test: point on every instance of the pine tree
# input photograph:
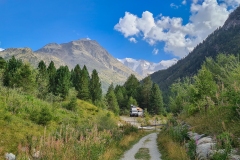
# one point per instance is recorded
(62, 80)
(112, 100)
(131, 86)
(42, 80)
(83, 92)
(95, 87)
(156, 100)
(75, 77)
(26, 75)
(51, 74)
(120, 93)
(145, 93)
(9, 75)
(3, 63)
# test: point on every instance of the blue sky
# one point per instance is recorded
(152, 30)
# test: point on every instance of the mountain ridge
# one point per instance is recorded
(225, 40)
(82, 52)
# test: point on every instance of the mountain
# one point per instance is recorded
(145, 68)
(82, 52)
(225, 40)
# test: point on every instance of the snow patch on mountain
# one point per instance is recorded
(144, 67)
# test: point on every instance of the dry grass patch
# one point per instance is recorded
(171, 150)
(143, 154)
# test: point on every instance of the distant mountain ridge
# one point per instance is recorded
(145, 68)
(82, 52)
(225, 40)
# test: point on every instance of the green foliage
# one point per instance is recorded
(191, 150)
(95, 87)
(62, 82)
(112, 100)
(105, 122)
(75, 77)
(145, 93)
(45, 116)
(156, 100)
(51, 70)
(2, 63)
(72, 105)
(84, 92)
(131, 101)
(42, 80)
(9, 76)
(131, 86)
(121, 97)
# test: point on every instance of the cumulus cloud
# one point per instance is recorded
(168, 63)
(179, 38)
(184, 2)
(155, 51)
(132, 39)
(174, 6)
(1, 49)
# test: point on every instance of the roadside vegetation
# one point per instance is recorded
(51, 113)
(209, 102)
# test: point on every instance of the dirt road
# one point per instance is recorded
(149, 142)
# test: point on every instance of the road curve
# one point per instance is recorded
(150, 142)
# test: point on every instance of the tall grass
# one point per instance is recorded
(69, 143)
(171, 150)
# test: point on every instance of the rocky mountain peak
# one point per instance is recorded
(233, 19)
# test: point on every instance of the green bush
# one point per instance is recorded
(72, 105)
(45, 116)
(191, 151)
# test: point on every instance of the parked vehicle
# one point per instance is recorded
(136, 111)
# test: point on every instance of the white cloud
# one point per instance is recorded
(179, 38)
(132, 39)
(1, 49)
(184, 2)
(174, 6)
(127, 25)
(155, 51)
(168, 63)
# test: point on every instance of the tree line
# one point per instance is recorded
(145, 94)
(55, 84)
(49, 80)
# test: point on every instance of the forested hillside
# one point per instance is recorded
(209, 104)
(223, 40)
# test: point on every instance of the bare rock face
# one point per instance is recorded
(28, 56)
(233, 19)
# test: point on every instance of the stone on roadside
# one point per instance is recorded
(10, 156)
(203, 150)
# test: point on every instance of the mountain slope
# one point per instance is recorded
(82, 52)
(145, 68)
(223, 40)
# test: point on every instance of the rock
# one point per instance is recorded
(204, 140)
(10, 156)
(195, 136)
(234, 157)
(203, 150)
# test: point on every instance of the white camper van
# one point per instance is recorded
(136, 111)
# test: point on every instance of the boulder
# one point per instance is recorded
(203, 150)
(10, 156)
(204, 140)
(234, 157)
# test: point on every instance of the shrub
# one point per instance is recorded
(72, 105)
(45, 116)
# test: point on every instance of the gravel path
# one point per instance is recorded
(150, 142)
